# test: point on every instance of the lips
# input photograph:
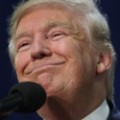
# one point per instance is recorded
(40, 67)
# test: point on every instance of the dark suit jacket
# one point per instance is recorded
(3, 117)
(114, 113)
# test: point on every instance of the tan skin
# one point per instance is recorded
(70, 71)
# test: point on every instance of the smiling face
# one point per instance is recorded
(49, 54)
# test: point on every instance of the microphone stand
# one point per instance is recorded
(6, 105)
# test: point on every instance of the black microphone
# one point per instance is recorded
(24, 97)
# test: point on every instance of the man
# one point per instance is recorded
(65, 47)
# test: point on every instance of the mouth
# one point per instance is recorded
(42, 67)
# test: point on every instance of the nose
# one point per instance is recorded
(39, 50)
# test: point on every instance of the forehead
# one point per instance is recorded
(67, 12)
(44, 17)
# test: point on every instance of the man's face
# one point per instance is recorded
(49, 54)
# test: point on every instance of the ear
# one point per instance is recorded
(104, 62)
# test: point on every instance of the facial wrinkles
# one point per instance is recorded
(41, 26)
(69, 17)
(51, 23)
(25, 33)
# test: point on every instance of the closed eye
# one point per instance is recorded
(57, 35)
(24, 45)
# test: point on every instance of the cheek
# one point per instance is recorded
(65, 47)
(21, 60)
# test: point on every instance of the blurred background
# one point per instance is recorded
(7, 75)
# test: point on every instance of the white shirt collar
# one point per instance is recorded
(101, 113)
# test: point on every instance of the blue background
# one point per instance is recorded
(7, 76)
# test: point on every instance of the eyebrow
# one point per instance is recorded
(53, 24)
(48, 26)
(22, 34)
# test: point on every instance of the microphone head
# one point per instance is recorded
(34, 96)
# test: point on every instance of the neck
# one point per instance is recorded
(65, 110)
